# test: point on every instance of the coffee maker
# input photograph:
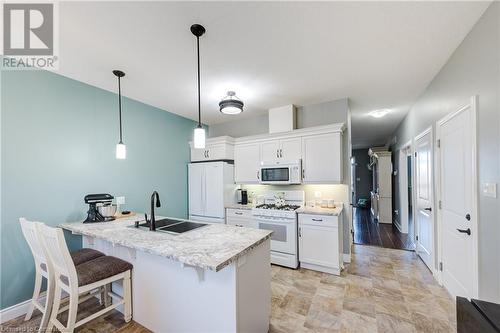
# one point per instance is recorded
(93, 214)
(242, 197)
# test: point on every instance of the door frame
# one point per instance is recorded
(428, 130)
(473, 104)
(406, 150)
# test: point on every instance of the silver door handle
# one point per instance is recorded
(277, 153)
(303, 173)
(428, 209)
(208, 153)
(300, 232)
(281, 152)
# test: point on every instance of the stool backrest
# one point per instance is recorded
(30, 232)
(58, 253)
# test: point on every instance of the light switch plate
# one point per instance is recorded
(120, 200)
(490, 190)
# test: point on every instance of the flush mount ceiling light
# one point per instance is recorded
(121, 149)
(199, 131)
(379, 113)
(231, 104)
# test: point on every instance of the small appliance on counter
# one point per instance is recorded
(242, 197)
(100, 208)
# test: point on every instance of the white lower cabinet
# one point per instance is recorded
(240, 218)
(320, 243)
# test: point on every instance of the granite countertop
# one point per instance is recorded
(322, 211)
(211, 247)
(238, 206)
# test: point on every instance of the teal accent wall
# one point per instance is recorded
(58, 140)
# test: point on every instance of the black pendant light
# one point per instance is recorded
(121, 149)
(199, 132)
(231, 104)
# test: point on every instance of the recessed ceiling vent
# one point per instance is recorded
(282, 119)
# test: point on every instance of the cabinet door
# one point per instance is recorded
(291, 149)
(214, 190)
(217, 152)
(322, 158)
(319, 245)
(246, 163)
(270, 151)
(197, 155)
(196, 174)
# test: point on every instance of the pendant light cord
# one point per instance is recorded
(120, 107)
(199, 98)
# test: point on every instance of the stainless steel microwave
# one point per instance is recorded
(281, 173)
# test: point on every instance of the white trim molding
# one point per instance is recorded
(14, 311)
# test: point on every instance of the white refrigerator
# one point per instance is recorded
(211, 189)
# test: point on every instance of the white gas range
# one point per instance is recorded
(278, 214)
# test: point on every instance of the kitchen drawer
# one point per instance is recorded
(241, 213)
(319, 220)
(242, 222)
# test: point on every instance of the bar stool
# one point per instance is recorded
(42, 268)
(78, 280)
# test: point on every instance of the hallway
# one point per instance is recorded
(368, 232)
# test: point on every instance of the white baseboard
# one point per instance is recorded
(14, 311)
(346, 257)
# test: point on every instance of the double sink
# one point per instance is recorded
(171, 226)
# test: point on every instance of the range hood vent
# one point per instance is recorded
(282, 119)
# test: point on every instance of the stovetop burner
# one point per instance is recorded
(273, 206)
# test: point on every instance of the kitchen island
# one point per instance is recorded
(216, 278)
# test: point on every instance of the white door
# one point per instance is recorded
(270, 151)
(214, 190)
(196, 173)
(456, 192)
(291, 149)
(424, 193)
(322, 158)
(247, 163)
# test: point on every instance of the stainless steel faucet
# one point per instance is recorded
(152, 223)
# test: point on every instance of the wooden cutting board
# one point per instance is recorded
(121, 216)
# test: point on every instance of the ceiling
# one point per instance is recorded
(378, 54)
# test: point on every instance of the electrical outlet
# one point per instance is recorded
(120, 200)
(490, 190)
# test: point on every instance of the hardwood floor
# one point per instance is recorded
(369, 232)
(381, 290)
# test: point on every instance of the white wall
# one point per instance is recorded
(473, 69)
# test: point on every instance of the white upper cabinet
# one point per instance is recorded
(247, 163)
(322, 158)
(270, 150)
(291, 149)
(281, 150)
(216, 149)
(319, 148)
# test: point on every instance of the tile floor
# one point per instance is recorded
(382, 290)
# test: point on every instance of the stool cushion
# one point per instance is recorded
(100, 268)
(80, 256)
(84, 255)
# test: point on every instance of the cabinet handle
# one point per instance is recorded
(205, 154)
(277, 153)
(281, 152)
(258, 174)
(238, 213)
(318, 220)
(300, 232)
(303, 173)
(208, 153)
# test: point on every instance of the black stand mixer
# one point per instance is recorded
(93, 214)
